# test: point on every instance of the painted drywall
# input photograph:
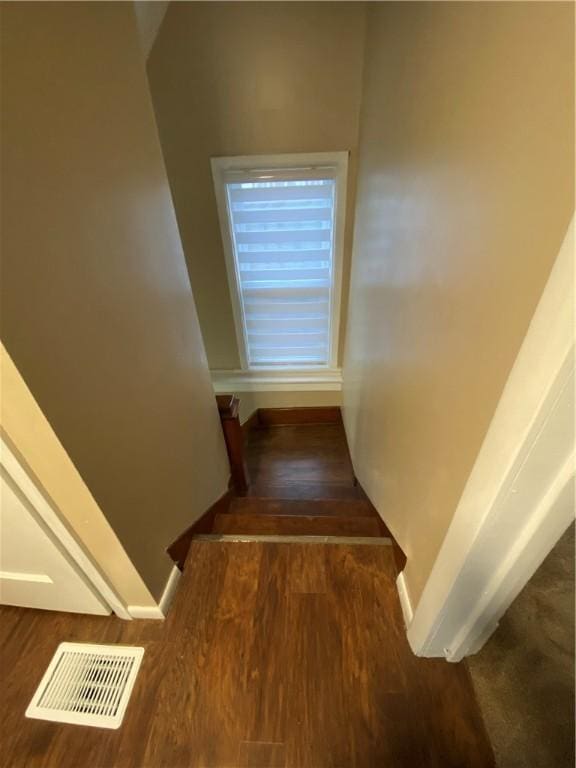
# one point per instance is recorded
(35, 443)
(149, 17)
(465, 191)
(242, 79)
(97, 309)
(251, 401)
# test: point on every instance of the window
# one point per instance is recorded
(282, 223)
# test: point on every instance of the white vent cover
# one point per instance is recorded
(87, 685)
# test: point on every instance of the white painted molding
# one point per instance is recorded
(552, 516)
(405, 600)
(250, 167)
(519, 498)
(159, 611)
(35, 445)
(52, 521)
(37, 578)
(325, 380)
(170, 589)
(146, 612)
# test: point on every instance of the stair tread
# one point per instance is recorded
(302, 491)
(299, 525)
(306, 507)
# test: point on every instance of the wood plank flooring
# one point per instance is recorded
(273, 655)
(296, 525)
(324, 507)
(302, 484)
(320, 452)
(304, 491)
(311, 454)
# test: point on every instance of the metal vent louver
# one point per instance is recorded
(87, 685)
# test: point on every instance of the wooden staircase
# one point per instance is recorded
(296, 480)
(306, 491)
(298, 517)
(302, 507)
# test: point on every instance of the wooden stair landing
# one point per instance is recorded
(302, 484)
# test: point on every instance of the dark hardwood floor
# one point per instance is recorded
(275, 506)
(302, 483)
(273, 655)
(296, 525)
(303, 454)
(286, 655)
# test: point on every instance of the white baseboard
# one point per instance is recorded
(170, 589)
(405, 600)
(159, 611)
(145, 612)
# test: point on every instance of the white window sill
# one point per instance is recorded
(314, 380)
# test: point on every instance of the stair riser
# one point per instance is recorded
(305, 491)
(296, 525)
(307, 508)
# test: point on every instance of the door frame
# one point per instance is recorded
(519, 498)
(20, 477)
(35, 459)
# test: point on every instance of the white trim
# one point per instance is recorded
(96, 580)
(277, 381)
(544, 527)
(339, 227)
(37, 578)
(405, 600)
(337, 162)
(159, 611)
(289, 160)
(519, 497)
(170, 589)
(146, 612)
(218, 168)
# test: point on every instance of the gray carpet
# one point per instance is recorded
(524, 675)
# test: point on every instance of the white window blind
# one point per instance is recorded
(283, 241)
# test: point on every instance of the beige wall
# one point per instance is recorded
(149, 17)
(249, 78)
(251, 401)
(38, 449)
(97, 310)
(465, 191)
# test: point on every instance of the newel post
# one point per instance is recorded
(228, 408)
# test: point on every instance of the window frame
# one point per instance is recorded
(253, 168)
